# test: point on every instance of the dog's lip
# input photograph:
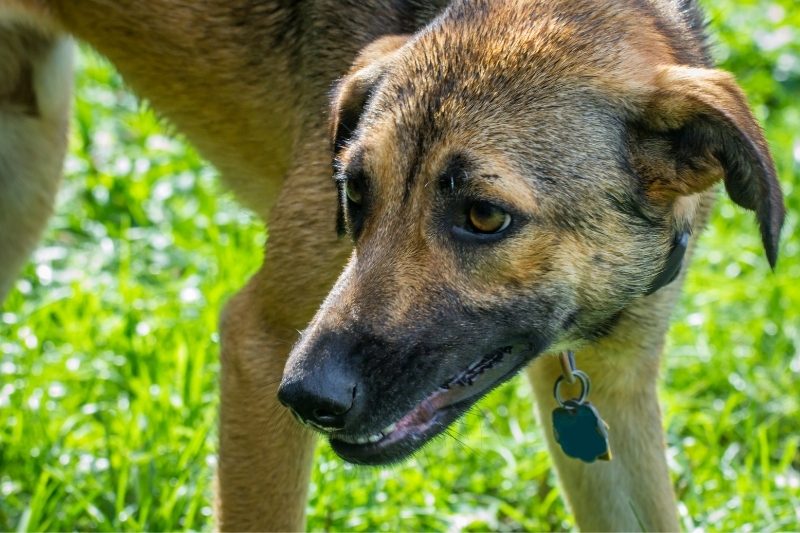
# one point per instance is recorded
(436, 411)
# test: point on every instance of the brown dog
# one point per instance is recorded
(517, 178)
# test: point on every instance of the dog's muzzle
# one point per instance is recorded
(375, 414)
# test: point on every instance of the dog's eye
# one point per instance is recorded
(354, 189)
(484, 217)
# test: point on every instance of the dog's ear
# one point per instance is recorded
(351, 94)
(695, 129)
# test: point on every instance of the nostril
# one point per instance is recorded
(324, 407)
(330, 412)
(327, 418)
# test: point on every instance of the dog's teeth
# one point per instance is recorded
(375, 438)
(389, 429)
(362, 440)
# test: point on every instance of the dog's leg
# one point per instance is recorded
(265, 455)
(633, 491)
(35, 83)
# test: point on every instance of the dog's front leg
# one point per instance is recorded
(265, 455)
(633, 491)
(35, 86)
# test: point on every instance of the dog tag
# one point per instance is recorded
(581, 432)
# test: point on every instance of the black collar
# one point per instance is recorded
(672, 266)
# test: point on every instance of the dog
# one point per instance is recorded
(511, 180)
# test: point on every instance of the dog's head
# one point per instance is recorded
(512, 180)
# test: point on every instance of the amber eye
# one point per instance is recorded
(487, 218)
(354, 189)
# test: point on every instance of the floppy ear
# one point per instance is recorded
(351, 94)
(696, 129)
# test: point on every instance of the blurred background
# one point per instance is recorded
(108, 350)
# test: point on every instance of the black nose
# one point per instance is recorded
(323, 402)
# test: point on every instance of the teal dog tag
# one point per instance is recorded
(577, 425)
(581, 432)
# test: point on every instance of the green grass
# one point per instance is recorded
(108, 350)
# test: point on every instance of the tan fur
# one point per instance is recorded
(633, 491)
(249, 82)
(35, 79)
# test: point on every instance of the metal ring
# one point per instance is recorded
(567, 360)
(585, 385)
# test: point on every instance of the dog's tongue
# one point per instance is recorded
(421, 415)
(469, 383)
(458, 389)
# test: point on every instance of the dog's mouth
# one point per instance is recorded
(435, 412)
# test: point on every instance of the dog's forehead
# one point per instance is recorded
(550, 82)
(409, 148)
(521, 53)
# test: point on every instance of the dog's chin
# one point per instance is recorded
(435, 412)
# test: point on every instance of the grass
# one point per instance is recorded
(108, 350)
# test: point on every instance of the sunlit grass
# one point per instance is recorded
(108, 350)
